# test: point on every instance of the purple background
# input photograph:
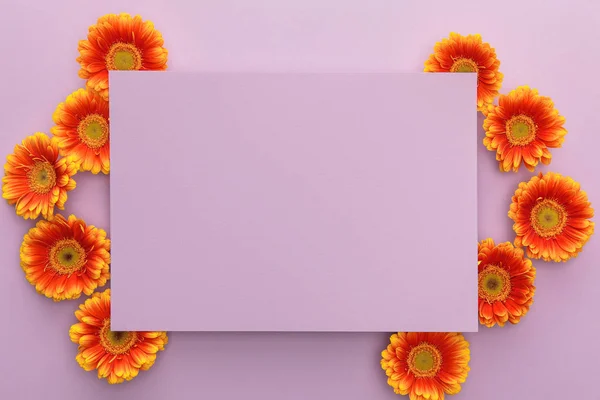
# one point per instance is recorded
(289, 203)
(551, 45)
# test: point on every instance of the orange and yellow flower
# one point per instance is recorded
(521, 129)
(119, 42)
(82, 130)
(36, 179)
(63, 258)
(469, 53)
(118, 356)
(551, 217)
(426, 365)
(506, 281)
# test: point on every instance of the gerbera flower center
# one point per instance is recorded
(464, 65)
(42, 177)
(494, 283)
(116, 342)
(67, 256)
(424, 360)
(520, 130)
(93, 131)
(548, 218)
(124, 57)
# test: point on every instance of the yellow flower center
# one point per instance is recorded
(520, 130)
(494, 284)
(42, 177)
(124, 57)
(93, 131)
(116, 342)
(548, 218)
(424, 360)
(464, 65)
(67, 256)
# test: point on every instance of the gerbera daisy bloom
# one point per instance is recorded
(36, 179)
(506, 280)
(522, 128)
(426, 365)
(64, 257)
(551, 217)
(469, 54)
(119, 42)
(118, 356)
(82, 130)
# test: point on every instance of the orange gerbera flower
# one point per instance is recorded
(118, 356)
(469, 54)
(426, 365)
(506, 280)
(551, 217)
(64, 257)
(82, 130)
(119, 42)
(522, 128)
(35, 179)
